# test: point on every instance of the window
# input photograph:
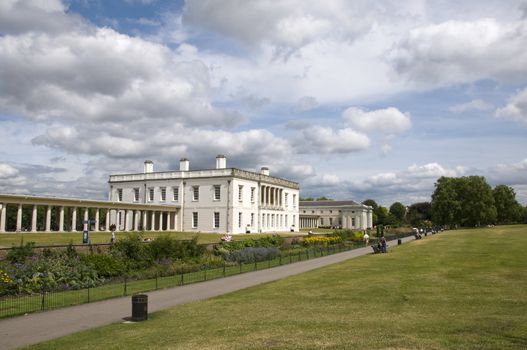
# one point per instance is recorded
(136, 194)
(151, 194)
(252, 194)
(294, 220)
(217, 192)
(240, 219)
(312, 212)
(331, 211)
(195, 193)
(331, 221)
(322, 221)
(163, 193)
(176, 194)
(294, 201)
(252, 219)
(353, 222)
(119, 194)
(285, 199)
(322, 212)
(240, 193)
(286, 221)
(216, 219)
(304, 211)
(195, 219)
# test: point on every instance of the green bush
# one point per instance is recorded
(106, 265)
(21, 253)
(132, 251)
(265, 242)
(348, 235)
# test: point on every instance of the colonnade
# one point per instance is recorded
(279, 222)
(126, 217)
(271, 197)
(309, 221)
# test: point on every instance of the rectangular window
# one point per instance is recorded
(195, 219)
(331, 221)
(253, 189)
(294, 201)
(119, 194)
(286, 221)
(163, 194)
(322, 221)
(252, 219)
(151, 194)
(285, 199)
(240, 219)
(136, 195)
(217, 192)
(240, 193)
(331, 211)
(353, 222)
(176, 194)
(195, 193)
(216, 219)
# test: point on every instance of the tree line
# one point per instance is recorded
(461, 201)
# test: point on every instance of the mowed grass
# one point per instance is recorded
(62, 238)
(462, 289)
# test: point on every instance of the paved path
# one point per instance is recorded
(38, 327)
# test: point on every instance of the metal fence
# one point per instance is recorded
(46, 300)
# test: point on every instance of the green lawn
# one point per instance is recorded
(461, 289)
(62, 238)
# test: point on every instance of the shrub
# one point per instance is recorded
(132, 251)
(252, 254)
(348, 235)
(21, 253)
(321, 241)
(106, 265)
(265, 242)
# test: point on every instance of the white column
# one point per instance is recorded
(48, 219)
(118, 216)
(175, 221)
(144, 220)
(136, 220)
(19, 218)
(153, 223)
(85, 225)
(127, 220)
(96, 229)
(2, 217)
(61, 219)
(107, 221)
(34, 219)
(74, 220)
(161, 221)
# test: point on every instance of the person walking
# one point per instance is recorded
(382, 241)
(366, 238)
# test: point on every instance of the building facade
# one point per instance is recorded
(343, 214)
(211, 200)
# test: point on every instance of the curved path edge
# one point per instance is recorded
(38, 327)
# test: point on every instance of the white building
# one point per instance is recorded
(346, 214)
(213, 200)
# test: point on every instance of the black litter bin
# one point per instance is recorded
(399, 241)
(139, 307)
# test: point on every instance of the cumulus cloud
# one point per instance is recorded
(462, 51)
(516, 108)
(285, 24)
(389, 120)
(320, 139)
(306, 103)
(474, 105)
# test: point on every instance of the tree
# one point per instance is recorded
(382, 215)
(507, 208)
(307, 199)
(371, 203)
(323, 199)
(418, 213)
(398, 210)
(466, 201)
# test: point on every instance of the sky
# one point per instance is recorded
(352, 99)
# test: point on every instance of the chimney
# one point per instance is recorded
(221, 161)
(264, 171)
(184, 164)
(149, 166)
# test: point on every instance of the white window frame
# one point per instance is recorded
(175, 194)
(216, 219)
(252, 220)
(253, 190)
(240, 219)
(294, 200)
(195, 193)
(195, 219)
(136, 194)
(163, 191)
(119, 194)
(286, 199)
(216, 195)
(151, 194)
(240, 193)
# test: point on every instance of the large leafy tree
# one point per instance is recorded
(418, 213)
(398, 211)
(374, 205)
(508, 209)
(465, 201)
